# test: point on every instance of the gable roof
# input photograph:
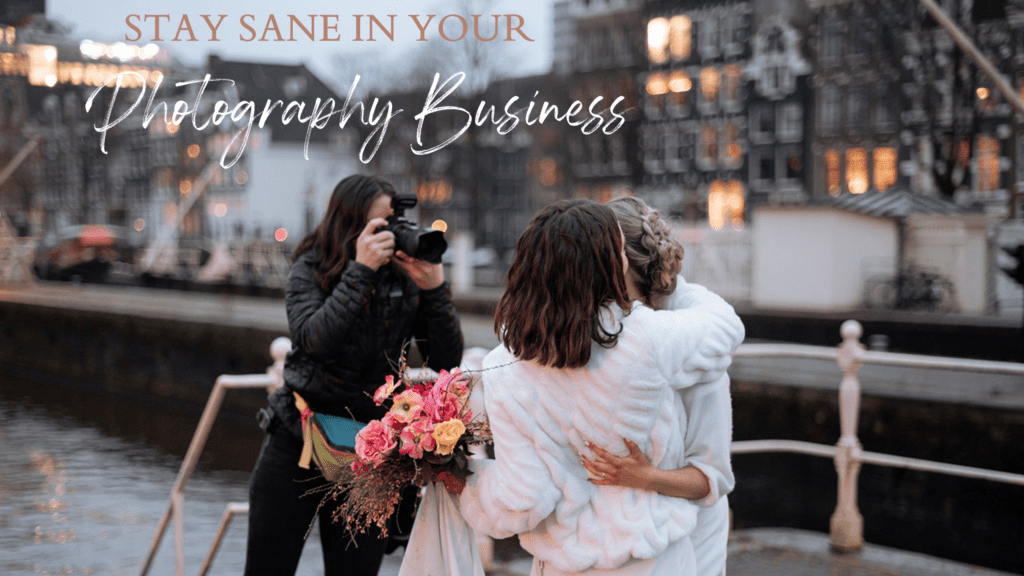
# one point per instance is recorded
(894, 204)
(262, 81)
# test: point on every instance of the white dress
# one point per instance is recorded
(540, 417)
(708, 436)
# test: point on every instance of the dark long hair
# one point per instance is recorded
(567, 266)
(334, 239)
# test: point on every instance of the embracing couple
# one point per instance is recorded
(608, 399)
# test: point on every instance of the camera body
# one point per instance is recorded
(424, 244)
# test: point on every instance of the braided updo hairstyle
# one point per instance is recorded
(655, 258)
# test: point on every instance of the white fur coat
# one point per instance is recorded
(541, 418)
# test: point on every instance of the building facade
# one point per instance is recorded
(694, 134)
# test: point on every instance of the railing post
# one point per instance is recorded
(847, 525)
(279, 349)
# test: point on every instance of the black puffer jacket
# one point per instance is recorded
(345, 342)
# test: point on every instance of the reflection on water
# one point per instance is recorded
(84, 479)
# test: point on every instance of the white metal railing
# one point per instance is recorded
(176, 504)
(847, 525)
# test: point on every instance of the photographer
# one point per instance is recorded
(353, 300)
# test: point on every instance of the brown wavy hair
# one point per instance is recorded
(655, 258)
(567, 267)
(334, 239)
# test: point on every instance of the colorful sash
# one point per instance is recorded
(329, 441)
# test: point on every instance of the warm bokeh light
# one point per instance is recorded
(439, 225)
(548, 172)
(656, 84)
(988, 163)
(983, 93)
(172, 128)
(856, 170)
(280, 234)
(679, 82)
(193, 150)
(733, 79)
(679, 37)
(241, 178)
(832, 169)
(885, 168)
(185, 186)
(710, 80)
(709, 143)
(220, 210)
(436, 191)
(140, 224)
(657, 40)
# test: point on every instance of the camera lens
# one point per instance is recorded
(430, 245)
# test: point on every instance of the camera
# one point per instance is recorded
(424, 244)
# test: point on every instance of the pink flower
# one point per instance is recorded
(407, 407)
(390, 421)
(375, 442)
(416, 438)
(385, 390)
(441, 405)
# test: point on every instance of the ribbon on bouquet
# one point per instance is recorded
(441, 542)
(452, 483)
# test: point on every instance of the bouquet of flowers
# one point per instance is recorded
(425, 435)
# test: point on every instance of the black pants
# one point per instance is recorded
(280, 515)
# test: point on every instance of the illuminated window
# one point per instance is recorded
(657, 84)
(716, 204)
(725, 204)
(710, 80)
(856, 170)
(42, 62)
(734, 204)
(548, 173)
(657, 40)
(657, 87)
(964, 153)
(732, 152)
(832, 171)
(794, 165)
(885, 168)
(679, 84)
(440, 191)
(679, 37)
(988, 163)
(709, 144)
(731, 86)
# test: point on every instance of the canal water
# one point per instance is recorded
(85, 477)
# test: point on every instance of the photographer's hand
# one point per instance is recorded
(374, 250)
(424, 274)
